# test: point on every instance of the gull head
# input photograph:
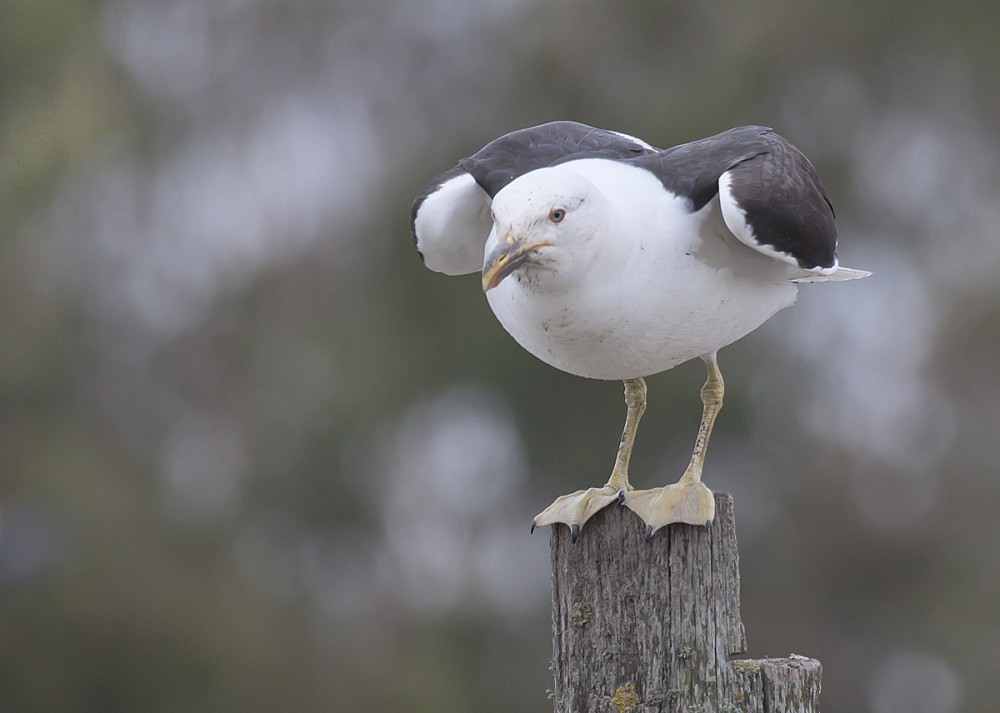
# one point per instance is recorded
(544, 226)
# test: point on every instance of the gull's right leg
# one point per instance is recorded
(576, 508)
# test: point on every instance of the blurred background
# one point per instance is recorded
(253, 456)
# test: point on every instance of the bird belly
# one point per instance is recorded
(648, 318)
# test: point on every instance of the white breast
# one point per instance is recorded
(666, 286)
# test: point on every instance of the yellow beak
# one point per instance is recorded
(506, 257)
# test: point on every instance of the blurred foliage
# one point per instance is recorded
(235, 472)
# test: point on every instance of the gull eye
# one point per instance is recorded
(556, 215)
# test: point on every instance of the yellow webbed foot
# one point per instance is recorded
(688, 501)
(575, 509)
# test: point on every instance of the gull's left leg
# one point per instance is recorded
(687, 500)
(576, 508)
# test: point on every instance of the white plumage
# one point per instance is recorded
(633, 283)
(610, 259)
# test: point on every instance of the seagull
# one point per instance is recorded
(611, 259)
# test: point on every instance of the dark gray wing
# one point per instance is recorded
(770, 195)
(450, 221)
(519, 152)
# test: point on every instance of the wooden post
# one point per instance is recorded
(644, 627)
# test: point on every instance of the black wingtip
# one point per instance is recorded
(621, 497)
(533, 525)
(649, 532)
(574, 533)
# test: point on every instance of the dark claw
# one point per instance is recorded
(532, 527)
(574, 533)
(649, 533)
(621, 497)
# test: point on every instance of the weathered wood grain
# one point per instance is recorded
(788, 685)
(644, 627)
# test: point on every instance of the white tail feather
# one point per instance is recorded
(840, 275)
